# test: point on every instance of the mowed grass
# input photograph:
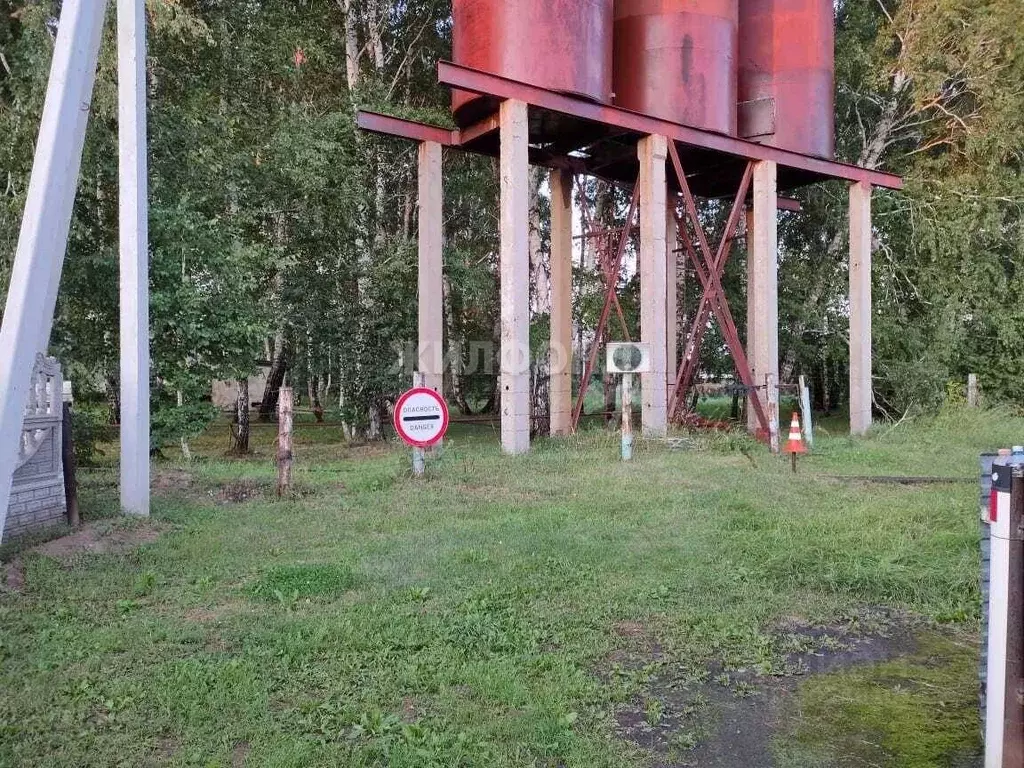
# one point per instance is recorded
(473, 617)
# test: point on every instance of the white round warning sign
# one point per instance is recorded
(421, 417)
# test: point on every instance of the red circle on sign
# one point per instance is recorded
(400, 427)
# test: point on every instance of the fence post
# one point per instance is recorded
(70, 466)
(972, 390)
(284, 440)
(1004, 727)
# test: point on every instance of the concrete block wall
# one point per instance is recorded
(37, 492)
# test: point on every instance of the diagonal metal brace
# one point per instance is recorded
(708, 271)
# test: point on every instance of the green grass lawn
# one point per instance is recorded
(498, 612)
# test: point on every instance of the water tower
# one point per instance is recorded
(677, 100)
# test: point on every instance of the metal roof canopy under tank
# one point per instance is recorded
(587, 137)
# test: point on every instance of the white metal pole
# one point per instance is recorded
(134, 217)
(627, 417)
(32, 295)
(419, 456)
(805, 407)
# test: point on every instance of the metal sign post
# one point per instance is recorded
(627, 417)
(628, 358)
(421, 420)
(1004, 727)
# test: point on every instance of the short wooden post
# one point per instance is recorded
(285, 407)
(972, 390)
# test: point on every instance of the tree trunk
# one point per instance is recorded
(376, 429)
(610, 387)
(313, 390)
(284, 442)
(240, 433)
(541, 406)
(351, 45)
(113, 392)
(275, 378)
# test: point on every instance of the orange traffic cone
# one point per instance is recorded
(795, 445)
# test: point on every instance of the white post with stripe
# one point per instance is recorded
(1004, 726)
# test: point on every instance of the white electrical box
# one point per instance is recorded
(629, 357)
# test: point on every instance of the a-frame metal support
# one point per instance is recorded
(709, 268)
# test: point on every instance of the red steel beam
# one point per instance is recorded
(374, 122)
(691, 358)
(479, 130)
(466, 79)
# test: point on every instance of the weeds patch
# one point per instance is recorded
(297, 582)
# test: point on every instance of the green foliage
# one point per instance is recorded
(88, 427)
(171, 423)
(304, 581)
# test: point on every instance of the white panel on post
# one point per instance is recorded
(860, 308)
(561, 303)
(653, 152)
(763, 285)
(515, 278)
(431, 266)
(134, 252)
(42, 242)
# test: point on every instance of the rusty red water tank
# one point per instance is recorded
(562, 45)
(787, 53)
(676, 59)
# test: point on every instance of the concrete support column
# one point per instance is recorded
(672, 297)
(515, 278)
(561, 303)
(860, 308)
(431, 267)
(763, 286)
(134, 255)
(42, 242)
(653, 152)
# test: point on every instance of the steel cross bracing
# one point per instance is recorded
(603, 239)
(709, 268)
(611, 272)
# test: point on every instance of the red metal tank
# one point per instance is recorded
(562, 45)
(676, 59)
(787, 53)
